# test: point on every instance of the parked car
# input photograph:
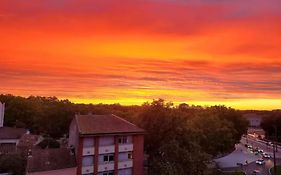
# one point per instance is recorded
(260, 162)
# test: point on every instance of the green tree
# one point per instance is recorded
(12, 163)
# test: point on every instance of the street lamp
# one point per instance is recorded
(275, 149)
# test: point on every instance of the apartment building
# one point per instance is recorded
(106, 145)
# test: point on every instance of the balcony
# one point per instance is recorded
(88, 151)
(106, 167)
(125, 164)
(125, 147)
(106, 149)
(87, 169)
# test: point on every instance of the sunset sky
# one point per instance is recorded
(207, 52)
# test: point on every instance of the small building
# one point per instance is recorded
(254, 128)
(9, 136)
(106, 145)
(254, 119)
(51, 161)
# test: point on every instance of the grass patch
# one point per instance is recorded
(278, 170)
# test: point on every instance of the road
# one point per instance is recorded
(262, 145)
(243, 156)
(264, 169)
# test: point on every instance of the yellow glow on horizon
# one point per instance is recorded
(244, 104)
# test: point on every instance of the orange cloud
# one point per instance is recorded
(102, 51)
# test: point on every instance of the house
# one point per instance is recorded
(9, 136)
(51, 161)
(254, 128)
(254, 119)
(106, 145)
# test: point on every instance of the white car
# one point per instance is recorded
(265, 155)
(260, 162)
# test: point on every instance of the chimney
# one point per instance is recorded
(2, 111)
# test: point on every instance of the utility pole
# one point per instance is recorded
(274, 147)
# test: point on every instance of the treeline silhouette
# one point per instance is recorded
(180, 139)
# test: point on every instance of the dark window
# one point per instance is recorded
(108, 158)
(120, 140)
(130, 156)
(111, 158)
(123, 140)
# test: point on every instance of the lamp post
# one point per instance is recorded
(274, 149)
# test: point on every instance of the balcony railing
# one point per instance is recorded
(88, 151)
(125, 164)
(87, 169)
(106, 166)
(106, 149)
(125, 147)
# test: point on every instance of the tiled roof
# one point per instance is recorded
(104, 124)
(11, 133)
(50, 159)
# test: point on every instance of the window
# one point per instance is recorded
(106, 141)
(130, 155)
(125, 156)
(127, 171)
(123, 140)
(108, 158)
(88, 142)
(88, 161)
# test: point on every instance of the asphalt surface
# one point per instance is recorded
(244, 156)
(264, 169)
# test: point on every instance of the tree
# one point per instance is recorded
(12, 163)
(272, 125)
(169, 142)
(49, 143)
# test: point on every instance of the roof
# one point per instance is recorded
(50, 159)
(252, 115)
(11, 133)
(104, 124)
